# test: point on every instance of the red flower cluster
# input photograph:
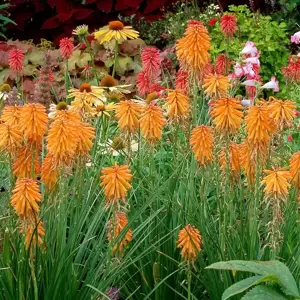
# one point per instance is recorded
(15, 60)
(228, 25)
(66, 47)
(292, 71)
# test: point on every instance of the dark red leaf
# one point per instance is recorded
(51, 23)
(81, 14)
(154, 5)
(90, 1)
(52, 3)
(105, 5)
(125, 4)
(63, 6)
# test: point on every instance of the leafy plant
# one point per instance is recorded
(4, 19)
(273, 280)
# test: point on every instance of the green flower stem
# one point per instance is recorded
(116, 59)
(88, 46)
(67, 81)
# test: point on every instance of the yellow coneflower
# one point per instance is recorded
(10, 138)
(86, 98)
(215, 85)
(115, 31)
(234, 159)
(115, 227)
(63, 139)
(54, 108)
(86, 134)
(202, 142)
(128, 113)
(282, 112)
(192, 49)
(151, 122)
(109, 84)
(33, 122)
(11, 115)
(178, 105)
(227, 115)
(276, 183)
(259, 126)
(34, 233)
(26, 164)
(104, 110)
(295, 169)
(247, 162)
(116, 184)
(25, 198)
(49, 172)
(189, 240)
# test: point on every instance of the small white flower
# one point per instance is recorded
(273, 84)
(250, 82)
(246, 102)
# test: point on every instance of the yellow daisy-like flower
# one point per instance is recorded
(276, 183)
(215, 85)
(86, 98)
(109, 84)
(81, 30)
(105, 109)
(115, 31)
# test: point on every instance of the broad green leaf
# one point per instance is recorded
(245, 284)
(263, 292)
(274, 267)
(36, 57)
(79, 59)
(4, 75)
(125, 63)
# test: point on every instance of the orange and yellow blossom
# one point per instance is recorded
(151, 122)
(86, 134)
(26, 163)
(215, 85)
(63, 139)
(189, 240)
(116, 184)
(25, 198)
(234, 159)
(49, 171)
(247, 162)
(276, 183)
(33, 122)
(192, 49)
(11, 115)
(10, 138)
(202, 142)
(115, 227)
(178, 105)
(34, 233)
(295, 169)
(128, 113)
(282, 112)
(259, 126)
(227, 114)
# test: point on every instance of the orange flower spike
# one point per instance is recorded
(33, 122)
(63, 139)
(227, 115)
(25, 160)
(189, 240)
(215, 85)
(128, 113)
(234, 157)
(116, 184)
(259, 124)
(25, 198)
(116, 225)
(11, 115)
(34, 233)
(202, 142)
(192, 49)
(276, 183)
(295, 169)
(10, 138)
(49, 172)
(178, 105)
(282, 111)
(151, 123)
(247, 162)
(86, 134)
